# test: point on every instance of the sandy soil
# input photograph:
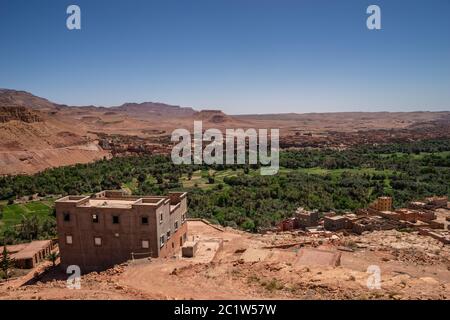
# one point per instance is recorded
(248, 266)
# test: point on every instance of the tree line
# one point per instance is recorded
(405, 171)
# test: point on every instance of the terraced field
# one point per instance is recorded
(12, 214)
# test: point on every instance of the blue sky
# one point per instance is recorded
(241, 56)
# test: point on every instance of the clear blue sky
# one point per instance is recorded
(242, 56)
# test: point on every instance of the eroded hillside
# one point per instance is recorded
(36, 134)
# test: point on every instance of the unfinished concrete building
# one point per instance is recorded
(110, 227)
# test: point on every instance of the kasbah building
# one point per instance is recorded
(110, 227)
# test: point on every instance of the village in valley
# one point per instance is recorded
(246, 155)
(425, 217)
(167, 255)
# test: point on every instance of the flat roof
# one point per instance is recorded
(404, 210)
(122, 203)
(336, 217)
(13, 248)
(118, 199)
(113, 202)
(72, 198)
(28, 250)
(108, 203)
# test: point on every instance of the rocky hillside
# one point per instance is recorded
(154, 110)
(20, 114)
(24, 99)
(36, 133)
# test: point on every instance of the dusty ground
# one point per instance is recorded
(252, 267)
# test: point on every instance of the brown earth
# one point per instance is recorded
(19, 162)
(22, 114)
(46, 134)
(249, 266)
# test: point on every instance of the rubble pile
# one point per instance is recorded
(418, 257)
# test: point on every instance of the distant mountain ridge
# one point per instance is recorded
(36, 133)
(158, 109)
(11, 98)
(16, 98)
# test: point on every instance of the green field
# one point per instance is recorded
(12, 214)
(337, 173)
(199, 178)
(416, 156)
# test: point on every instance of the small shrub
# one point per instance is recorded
(273, 285)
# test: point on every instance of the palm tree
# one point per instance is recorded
(29, 227)
(52, 257)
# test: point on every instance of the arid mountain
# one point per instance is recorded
(33, 136)
(25, 99)
(344, 121)
(23, 114)
(36, 134)
(214, 116)
(153, 110)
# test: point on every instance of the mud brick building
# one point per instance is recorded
(430, 203)
(307, 218)
(29, 255)
(372, 223)
(335, 223)
(287, 224)
(382, 204)
(110, 227)
(437, 202)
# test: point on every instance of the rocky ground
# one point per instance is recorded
(255, 267)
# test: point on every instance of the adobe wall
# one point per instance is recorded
(118, 240)
(174, 244)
